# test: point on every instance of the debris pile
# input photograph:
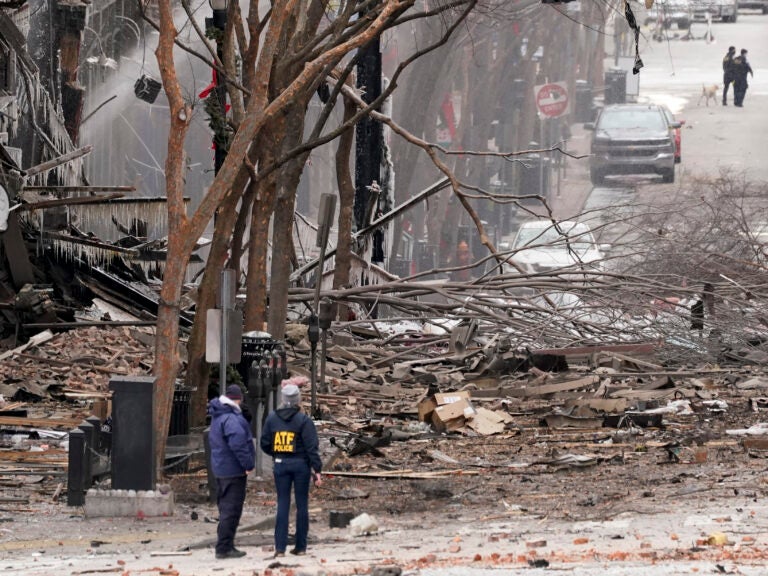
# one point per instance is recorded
(582, 434)
(73, 365)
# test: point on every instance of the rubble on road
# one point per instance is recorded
(425, 437)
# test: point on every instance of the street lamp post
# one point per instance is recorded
(218, 25)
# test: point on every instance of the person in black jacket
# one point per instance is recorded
(740, 70)
(728, 72)
(233, 456)
(290, 437)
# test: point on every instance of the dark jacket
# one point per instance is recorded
(230, 438)
(289, 433)
(728, 64)
(740, 69)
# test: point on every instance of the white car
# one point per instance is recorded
(542, 247)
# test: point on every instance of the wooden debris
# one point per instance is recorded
(40, 422)
(403, 474)
(35, 340)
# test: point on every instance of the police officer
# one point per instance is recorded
(740, 70)
(728, 72)
(233, 456)
(290, 437)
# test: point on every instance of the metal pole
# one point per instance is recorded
(227, 304)
(328, 311)
(368, 132)
(259, 394)
(314, 333)
(259, 424)
(325, 217)
(541, 158)
(220, 92)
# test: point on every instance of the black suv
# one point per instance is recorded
(632, 139)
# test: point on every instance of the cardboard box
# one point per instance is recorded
(486, 422)
(451, 416)
(451, 397)
(426, 407)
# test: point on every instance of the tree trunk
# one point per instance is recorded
(282, 230)
(256, 282)
(282, 240)
(198, 370)
(262, 109)
(167, 335)
(346, 207)
(241, 227)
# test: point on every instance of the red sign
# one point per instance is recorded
(552, 99)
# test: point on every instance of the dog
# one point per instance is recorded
(709, 93)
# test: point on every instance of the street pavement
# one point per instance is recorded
(454, 540)
(716, 139)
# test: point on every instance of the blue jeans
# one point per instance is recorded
(297, 473)
(230, 498)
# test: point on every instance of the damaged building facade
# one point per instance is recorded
(65, 240)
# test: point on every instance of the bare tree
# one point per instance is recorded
(291, 56)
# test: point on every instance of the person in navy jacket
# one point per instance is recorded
(290, 437)
(233, 457)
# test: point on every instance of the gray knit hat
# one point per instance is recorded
(291, 395)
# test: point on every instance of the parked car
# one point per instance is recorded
(632, 139)
(676, 133)
(540, 246)
(761, 5)
(668, 12)
(723, 10)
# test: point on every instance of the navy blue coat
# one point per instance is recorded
(230, 438)
(289, 433)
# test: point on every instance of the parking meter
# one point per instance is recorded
(257, 390)
(277, 369)
(265, 374)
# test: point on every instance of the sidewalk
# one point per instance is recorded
(645, 540)
(576, 186)
(569, 190)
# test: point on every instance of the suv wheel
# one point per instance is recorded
(596, 176)
(668, 177)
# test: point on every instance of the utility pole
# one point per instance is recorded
(368, 132)
(368, 144)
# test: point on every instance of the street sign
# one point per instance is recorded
(551, 99)
(213, 328)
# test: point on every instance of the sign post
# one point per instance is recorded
(224, 329)
(325, 216)
(551, 102)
